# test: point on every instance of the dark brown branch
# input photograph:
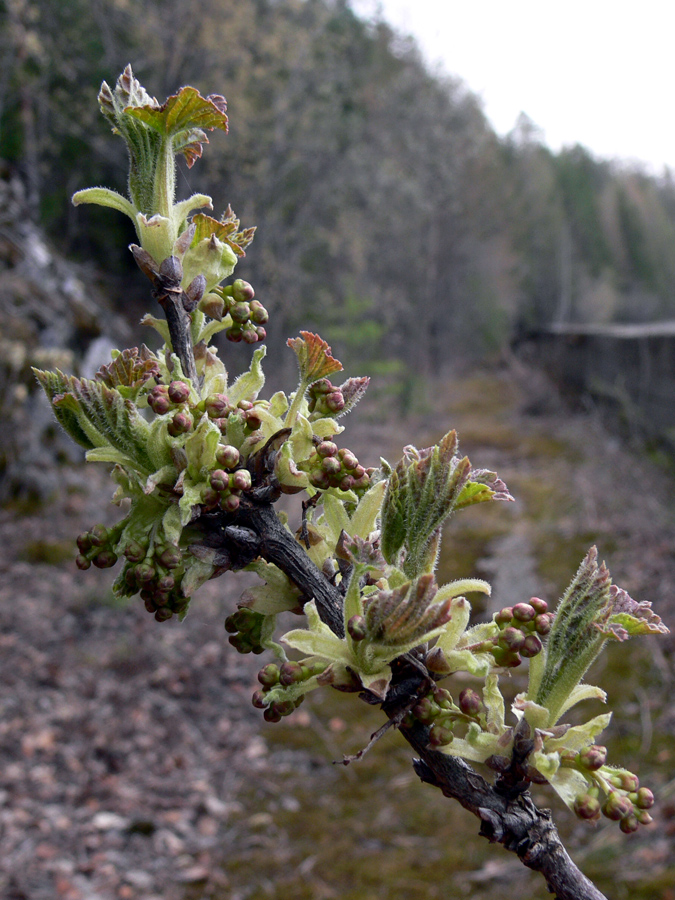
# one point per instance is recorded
(507, 813)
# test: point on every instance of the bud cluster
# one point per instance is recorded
(626, 802)
(439, 711)
(245, 629)
(96, 546)
(521, 628)
(156, 572)
(329, 467)
(248, 315)
(273, 676)
(325, 399)
(226, 487)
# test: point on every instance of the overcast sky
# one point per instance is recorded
(595, 72)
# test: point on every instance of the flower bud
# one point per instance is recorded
(542, 623)
(531, 646)
(539, 606)
(240, 313)
(258, 699)
(240, 480)
(144, 573)
(249, 335)
(506, 658)
(259, 314)
(617, 806)
(470, 702)
(348, 458)
(82, 562)
(105, 559)
(230, 504)
(290, 673)
(260, 331)
(179, 392)
(134, 551)
(587, 807)
(158, 400)
(327, 449)
(216, 405)
(180, 424)
(331, 465)
(319, 480)
(629, 782)
(346, 483)
(642, 816)
(426, 710)
(242, 291)
(271, 714)
(268, 676)
(235, 335)
(219, 480)
(644, 799)
(335, 401)
(504, 616)
(227, 456)
(356, 628)
(440, 735)
(171, 558)
(252, 419)
(98, 535)
(593, 757)
(83, 542)
(629, 824)
(163, 614)
(511, 639)
(523, 612)
(166, 584)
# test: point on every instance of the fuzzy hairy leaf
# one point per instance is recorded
(129, 370)
(96, 416)
(314, 357)
(183, 117)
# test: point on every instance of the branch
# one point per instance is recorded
(507, 817)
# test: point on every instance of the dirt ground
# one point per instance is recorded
(129, 750)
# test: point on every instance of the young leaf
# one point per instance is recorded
(314, 358)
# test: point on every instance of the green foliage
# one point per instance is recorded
(194, 455)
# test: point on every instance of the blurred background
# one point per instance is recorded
(493, 269)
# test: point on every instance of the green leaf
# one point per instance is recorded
(226, 230)
(105, 197)
(95, 415)
(200, 448)
(249, 385)
(183, 117)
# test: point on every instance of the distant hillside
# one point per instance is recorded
(381, 194)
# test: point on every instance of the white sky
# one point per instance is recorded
(595, 72)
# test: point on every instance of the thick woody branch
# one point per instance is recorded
(507, 813)
(507, 817)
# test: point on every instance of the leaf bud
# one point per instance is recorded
(82, 562)
(326, 449)
(194, 292)
(213, 306)
(593, 757)
(531, 646)
(227, 456)
(216, 405)
(171, 270)
(617, 806)
(587, 807)
(179, 392)
(242, 291)
(523, 612)
(437, 662)
(644, 799)
(356, 628)
(470, 702)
